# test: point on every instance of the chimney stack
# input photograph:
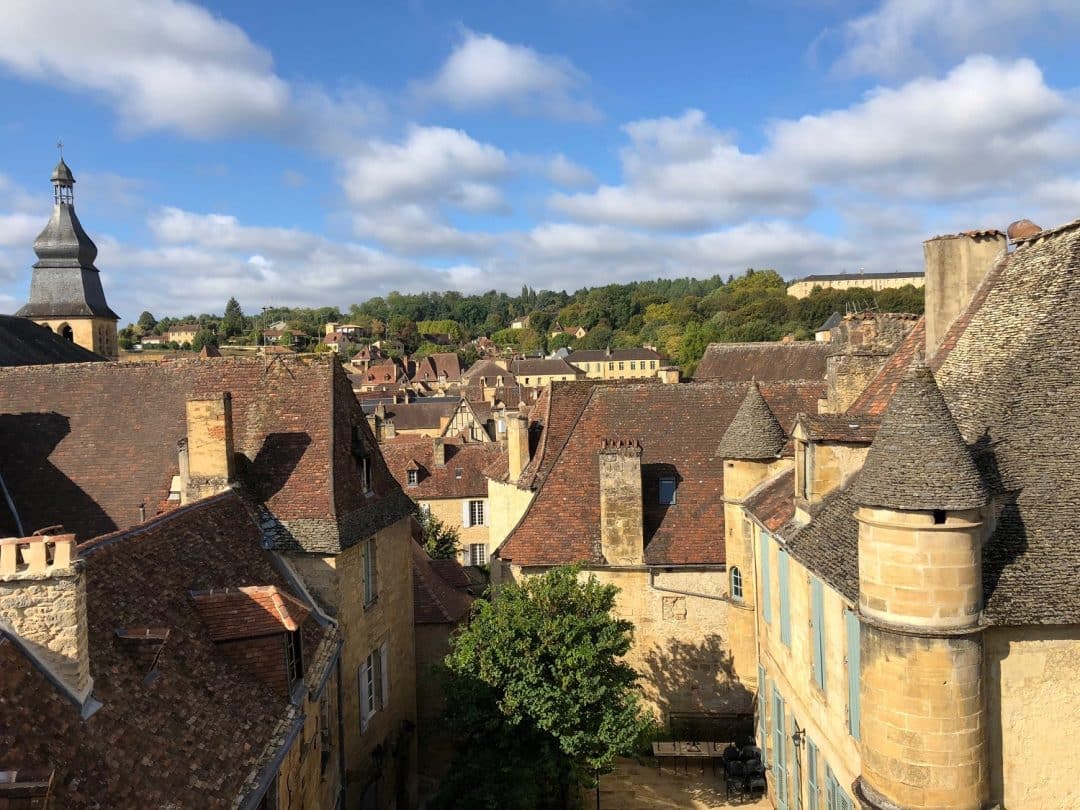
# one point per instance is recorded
(209, 448)
(439, 455)
(517, 444)
(955, 266)
(622, 531)
(43, 599)
(669, 375)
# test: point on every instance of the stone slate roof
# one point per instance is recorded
(198, 733)
(754, 433)
(918, 459)
(678, 427)
(554, 366)
(772, 501)
(430, 368)
(599, 355)
(75, 453)
(742, 362)
(847, 428)
(856, 276)
(461, 477)
(830, 322)
(439, 595)
(422, 414)
(24, 343)
(829, 544)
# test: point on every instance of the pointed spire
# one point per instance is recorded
(754, 433)
(918, 460)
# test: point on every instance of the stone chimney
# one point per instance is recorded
(43, 600)
(517, 444)
(622, 532)
(955, 266)
(669, 375)
(439, 454)
(209, 448)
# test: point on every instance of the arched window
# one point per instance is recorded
(736, 584)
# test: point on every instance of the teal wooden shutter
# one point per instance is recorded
(813, 800)
(762, 704)
(780, 751)
(796, 777)
(766, 581)
(785, 595)
(851, 623)
(817, 612)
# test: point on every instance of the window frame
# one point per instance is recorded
(412, 477)
(294, 657)
(783, 585)
(817, 639)
(674, 484)
(370, 570)
(473, 555)
(736, 583)
(477, 507)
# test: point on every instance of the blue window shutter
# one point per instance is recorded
(762, 704)
(785, 596)
(811, 776)
(766, 582)
(780, 750)
(817, 611)
(851, 622)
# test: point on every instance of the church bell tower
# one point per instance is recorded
(65, 292)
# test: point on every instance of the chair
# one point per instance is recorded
(731, 753)
(755, 785)
(734, 777)
(750, 752)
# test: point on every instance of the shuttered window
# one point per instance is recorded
(812, 798)
(780, 750)
(817, 626)
(766, 580)
(762, 703)
(853, 628)
(785, 595)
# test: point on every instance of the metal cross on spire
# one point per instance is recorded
(60, 147)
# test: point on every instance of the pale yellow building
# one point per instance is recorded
(848, 281)
(65, 293)
(617, 364)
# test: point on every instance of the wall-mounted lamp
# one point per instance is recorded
(799, 737)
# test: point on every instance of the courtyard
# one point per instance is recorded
(636, 785)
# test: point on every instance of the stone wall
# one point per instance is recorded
(96, 334)
(1032, 694)
(955, 266)
(506, 504)
(622, 540)
(307, 780)
(449, 511)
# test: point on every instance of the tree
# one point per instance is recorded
(546, 658)
(232, 323)
(147, 321)
(441, 542)
(204, 337)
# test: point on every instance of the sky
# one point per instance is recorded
(322, 153)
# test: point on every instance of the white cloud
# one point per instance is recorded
(985, 128)
(413, 230)
(168, 64)
(564, 172)
(905, 36)
(430, 164)
(484, 71)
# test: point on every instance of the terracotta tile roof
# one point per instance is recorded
(386, 372)
(489, 369)
(462, 476)
(433, 366)
(24, 343)
(845, 428)
(875, 397)
(72, 446)
(741, 362)
(678, 427)
(245, 612)
(438, 598)
(773, 502)
(195, 735)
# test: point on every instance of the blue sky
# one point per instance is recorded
(328, 152)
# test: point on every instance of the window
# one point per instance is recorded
(502, 426)
(472, 513)
(413, 477)
(374, 684)
(633, 366)
(817, 626)
(621, 364)
(785, 595)
(854, 630)
(294, 657)
(610, 366)
(762, 703)
(804, 485)
(365, 474)
(766, 582)
(835, 798)
(780, 773)
(736, 584)
(478, 554)
(371, 570)
(652, 364)
(811, 776)
(667, 491)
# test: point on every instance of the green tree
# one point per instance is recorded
(147, 321)
(441, 542)
(204, 337)
(232, 323)
(560, 341)
(548, 654)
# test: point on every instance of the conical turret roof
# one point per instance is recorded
(62, 174)
(918, 460)
(754, 433)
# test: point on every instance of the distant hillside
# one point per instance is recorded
(680, 317)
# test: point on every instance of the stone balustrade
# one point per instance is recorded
(37, 555)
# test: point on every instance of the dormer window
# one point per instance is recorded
(413, 477)
(667, 491)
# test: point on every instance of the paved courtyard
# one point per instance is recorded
(637, 786)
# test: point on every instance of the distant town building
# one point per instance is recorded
(65, 292)
(617, 364)
(846, 281)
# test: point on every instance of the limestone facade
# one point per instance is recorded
(873, 281)
(96, 334)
